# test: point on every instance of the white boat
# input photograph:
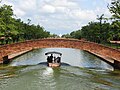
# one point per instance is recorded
(53, 59)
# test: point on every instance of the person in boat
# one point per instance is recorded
(54, 59)
(58, 60)
(51, 58)
(48, 59)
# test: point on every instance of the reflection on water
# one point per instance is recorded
(74, 57)
(86, 72)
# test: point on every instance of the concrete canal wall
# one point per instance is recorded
(107, 53)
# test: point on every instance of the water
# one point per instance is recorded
(86, 72)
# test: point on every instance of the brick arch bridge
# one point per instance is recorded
(108, 54)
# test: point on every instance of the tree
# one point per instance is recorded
(6, 21)
(100, 18)
(92, 32)
(66, 36)
(54, 36)
(101, 32)
(114, 8)
(15, 29)
(76, 34)
(115, 30)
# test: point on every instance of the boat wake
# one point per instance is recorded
(48, 71)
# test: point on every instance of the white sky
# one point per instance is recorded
(59, 16)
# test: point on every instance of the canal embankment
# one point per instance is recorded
(10, 57)
(104, 58)
(15, 55)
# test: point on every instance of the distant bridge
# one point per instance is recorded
(108, 54)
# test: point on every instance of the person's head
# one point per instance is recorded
(51, 54)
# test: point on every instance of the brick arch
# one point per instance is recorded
(60, 43)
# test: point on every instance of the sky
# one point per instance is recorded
(59, 16)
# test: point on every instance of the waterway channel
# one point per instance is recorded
(86, 72)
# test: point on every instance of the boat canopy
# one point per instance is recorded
(53, 53)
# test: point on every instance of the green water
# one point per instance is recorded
(86, 72)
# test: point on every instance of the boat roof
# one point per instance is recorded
(53, 52)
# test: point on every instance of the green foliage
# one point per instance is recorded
(14, 29)
(66, 36)
(114, 8)
(101, 32)
(76, 34)
(92, 32)
(115, 30)
(6, 20)
(95, 32)
(54, 36)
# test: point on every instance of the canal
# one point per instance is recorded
(86, 72)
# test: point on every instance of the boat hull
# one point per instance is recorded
(54, 64)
